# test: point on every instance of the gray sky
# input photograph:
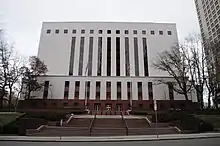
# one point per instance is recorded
(22, 19)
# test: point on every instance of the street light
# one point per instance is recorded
(86, 82)
(155, 109)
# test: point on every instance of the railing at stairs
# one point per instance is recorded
(125, 123)
(92, 123)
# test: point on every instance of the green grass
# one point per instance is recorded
(8, 117)
(214, 119)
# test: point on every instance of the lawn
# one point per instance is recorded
(8, 117)
(214, 119)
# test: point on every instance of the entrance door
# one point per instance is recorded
(118, 107)
(108, 107)
(97, 106)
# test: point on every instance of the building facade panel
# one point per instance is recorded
(112, 62)
(160, 91)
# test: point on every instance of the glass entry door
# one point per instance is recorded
(118, 107)
(97, 106)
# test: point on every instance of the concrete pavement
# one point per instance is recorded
(186, 142)
(111, 138)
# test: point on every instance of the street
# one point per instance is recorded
(186, 142)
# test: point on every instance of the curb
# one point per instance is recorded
(105, 139)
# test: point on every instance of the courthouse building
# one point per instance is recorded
(106, 66)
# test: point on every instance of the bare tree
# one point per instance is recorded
(5, 58)
(15, 72)
(175, 63)
(213, 69)
(10, 70)
(195, 54)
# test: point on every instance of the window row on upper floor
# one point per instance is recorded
(83, 31)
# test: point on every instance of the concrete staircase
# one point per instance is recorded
(137, 123)
(114, 125)
(62, 131)
(108, 127)
(80, 122)
(151, 131)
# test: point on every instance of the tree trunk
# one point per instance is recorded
(9, 99)
(1, 97)
(215, 100)
(201, 99)
(209, 100)
(1, 101)
(186, 96)
(29, 94)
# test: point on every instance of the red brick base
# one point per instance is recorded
(137, 105)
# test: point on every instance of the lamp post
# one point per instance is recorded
(86, 99)
(155, 109)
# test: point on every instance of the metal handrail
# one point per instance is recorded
(125, 123)
(90, 126)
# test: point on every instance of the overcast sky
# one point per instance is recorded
(22, 19)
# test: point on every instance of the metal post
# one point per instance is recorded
(86, 95)
(130, 94)
(155, 109)
(86, 86)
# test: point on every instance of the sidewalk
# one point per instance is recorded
(110, 138)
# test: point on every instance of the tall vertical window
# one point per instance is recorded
(87, 90)
(170, 88)
(146, 73)
(118, 90)
(90, 56)
(108, 90)
(77, 88)
(150, 90)
(140, 93)
(108, 56)
(66, 89)
(81, 56)
(117, 56)
(127, 60)
(46, 88)
(129, 90)
(99, 65)
(136, 62)
(72, 53)
(98, 87)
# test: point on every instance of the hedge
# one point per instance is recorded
(185, 121)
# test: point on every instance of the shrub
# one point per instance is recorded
(50, 116)
(184, 120)
(139, 113)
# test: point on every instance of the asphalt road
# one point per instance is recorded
(188, 142)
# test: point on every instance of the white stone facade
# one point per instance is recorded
(55, 50)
